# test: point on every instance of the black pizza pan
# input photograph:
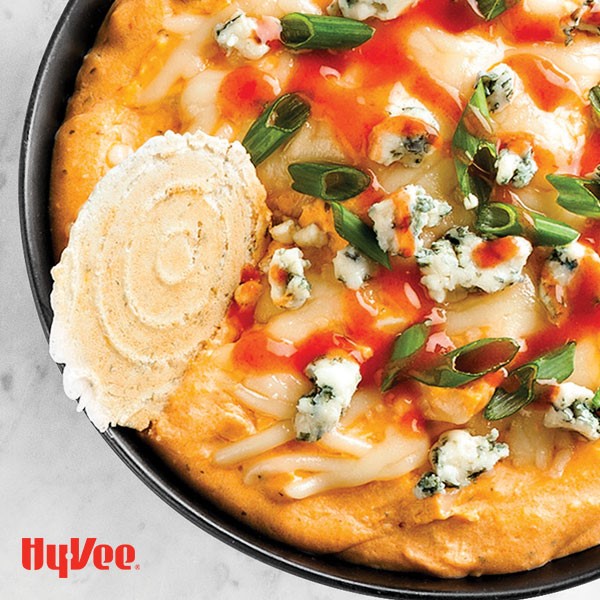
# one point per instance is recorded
(73, 37)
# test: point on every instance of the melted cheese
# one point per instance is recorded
(185, 61)
(395, 456)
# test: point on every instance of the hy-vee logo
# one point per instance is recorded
(35, 553)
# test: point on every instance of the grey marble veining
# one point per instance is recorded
(57, 477)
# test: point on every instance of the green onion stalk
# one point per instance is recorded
(276, 125)
(499, 219)
(320, 32)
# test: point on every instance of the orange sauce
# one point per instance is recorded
(391, 293)
(584, 318)
(520, 143)
(244, 93)
(387, 58)
(449, 15)
(548, 86)
(396, 292)
(523, 27)
(322, 343)
(590, 236)
(351, 89)
(492, 253)
(250, 273)
(374, 193)
(352, 112)
(242, 317)
(413, 420)
(590, 158)
(256, 351)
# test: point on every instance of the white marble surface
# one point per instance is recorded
(57, 477)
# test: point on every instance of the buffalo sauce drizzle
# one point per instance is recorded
(548, 86)
(490, 254)
(397, 293)
(244, 92)
(242, 317)
(521, 26)
(350, 90)
(584, 313)
(392, 293)
(590, 157)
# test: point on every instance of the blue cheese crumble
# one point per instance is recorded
(557, 273)
(351, 267)
(458, 458)
(515, 169)
(361, 10)
(287, 232)
(399, 221)
(289, 287)
(311, 236)
(407, 135)
(499, 84)
(284, 232)
(240, 33)
(583, 18)
(401, 103)
(572, 409)
(449, 265)
(335, 381)
(564, 261)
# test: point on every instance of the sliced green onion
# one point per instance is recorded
(319, 32)
(550, 232)
(468, 363)
(475, 116)
(518, 389)
(558, 364)
(359, 234)
(513, 395)
(406, 345)
(595, 403)
(490, 9)
(595, 102)
(500, 219)
(474, 156)
(329, 181)
(577, 194)
(277, 124)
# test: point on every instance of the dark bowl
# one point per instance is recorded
(73, 36)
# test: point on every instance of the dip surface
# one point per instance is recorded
(228, 427)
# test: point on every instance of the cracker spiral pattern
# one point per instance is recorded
(152, 262)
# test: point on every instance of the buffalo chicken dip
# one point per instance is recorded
(339, 262)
